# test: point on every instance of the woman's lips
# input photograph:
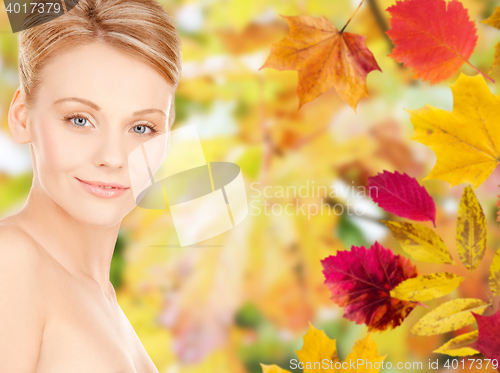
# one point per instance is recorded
(103, 192)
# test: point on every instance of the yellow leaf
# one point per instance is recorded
(272, 369)
(319, 354)
(420, 242)
(426, 287)
(366, 351)
(494, 20)
(471, 230)
(449, 316)
(317, 346)
(494, 277)
(458, 346)
(466, 140)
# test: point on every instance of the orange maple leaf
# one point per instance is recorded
(324, 58)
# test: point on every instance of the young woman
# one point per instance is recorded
(96, 83)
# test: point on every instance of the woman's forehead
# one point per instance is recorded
(101, 73)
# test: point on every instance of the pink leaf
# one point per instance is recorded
(361, 280)
(402, 195)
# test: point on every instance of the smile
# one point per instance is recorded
(103, 191)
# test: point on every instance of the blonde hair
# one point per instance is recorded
(140, 28)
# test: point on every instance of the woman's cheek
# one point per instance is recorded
(63, 150)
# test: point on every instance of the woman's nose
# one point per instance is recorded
(111, 151)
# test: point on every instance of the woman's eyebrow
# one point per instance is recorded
(96, 107)
(81, 100)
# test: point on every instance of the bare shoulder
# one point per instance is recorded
(22, 299)
(18, 248)
(22, 263)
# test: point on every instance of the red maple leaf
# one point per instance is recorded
(432, 37)
(488, 341)
(361, 280)
(402, 195)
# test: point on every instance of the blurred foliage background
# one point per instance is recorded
(246, 297)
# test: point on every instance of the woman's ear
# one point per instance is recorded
(18, 116)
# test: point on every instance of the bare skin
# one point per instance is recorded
(84, 329)
(58, 309)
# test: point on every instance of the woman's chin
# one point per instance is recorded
(99, 217)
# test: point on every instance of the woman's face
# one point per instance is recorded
(117, 103)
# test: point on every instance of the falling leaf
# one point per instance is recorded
(459, 346)
(488, 341)
(494, 275)
(317, 347)
(466, 140)
(361, 280)
(319, 354)
(494, 20)
(402, 195)
(427, 287)
(324, 58)
(471, 230)
(420, 242)
(449, 316)
(433, 46)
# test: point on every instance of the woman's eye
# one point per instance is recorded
(80, 121)
(142, 129)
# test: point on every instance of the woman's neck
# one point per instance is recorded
(83, 250)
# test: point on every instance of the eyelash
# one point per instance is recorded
(78, 115)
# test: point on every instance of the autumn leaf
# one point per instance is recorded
(494, 20)
(426, 287)
(459, 346)
(366, 351)
(494, 275)
(319, 354)
(449, 316)
(433, 46)
(361, 280)
(402, 195)
(420, 242)
(466, 140)
(471, 230)
(324, 58)
(317, 346)
(488, 341)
